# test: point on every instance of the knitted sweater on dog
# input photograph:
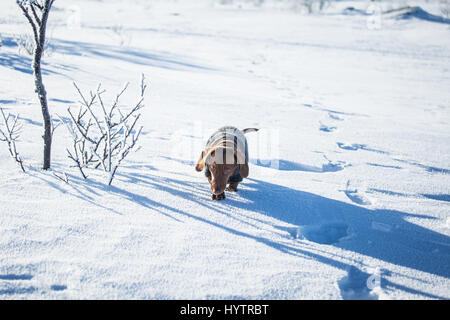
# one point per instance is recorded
(234, 135)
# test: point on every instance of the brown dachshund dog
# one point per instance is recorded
(225, 160)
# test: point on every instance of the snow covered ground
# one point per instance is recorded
(349, 192)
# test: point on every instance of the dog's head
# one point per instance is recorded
(222, 162)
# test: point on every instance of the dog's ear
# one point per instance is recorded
(201, 162)
(243, 170)
(203, 158)
(242, 161)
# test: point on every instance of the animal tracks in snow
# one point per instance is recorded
(19, 284)
(359, 285)
(328, 233)
(57, 287)
(356, 195)
(11, 284)
(357, 146)
(285, 165)
(327, 128)
(12, 290)
(12, 277)
(335, 117)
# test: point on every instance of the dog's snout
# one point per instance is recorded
(217, 189)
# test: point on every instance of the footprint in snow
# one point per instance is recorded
(58, 287)
(326, 128)
(359, 285)
(9, 284)
(328, 233)
(12, 277)
(16, 290)
(286, 165)
(356, 195)
(335, 117)
(358, 146)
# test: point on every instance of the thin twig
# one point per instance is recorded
(102, 134)
(11, 135)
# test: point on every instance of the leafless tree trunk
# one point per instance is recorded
(37, 13)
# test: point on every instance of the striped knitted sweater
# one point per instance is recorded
(228, 135)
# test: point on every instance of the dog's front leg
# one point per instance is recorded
(232, 187)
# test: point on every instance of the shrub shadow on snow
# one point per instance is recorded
(418, 13)
(388, 192)
(64, 101)
(383, 166)
(160, 59)
(401, 13)
(82, 191)
(17, 290)
(439, 197)
(7, 101)
(31, 121)
(16, 62)
(354, 11)
(8, 42)
(16, 277)
(427, 168)
(23, 64)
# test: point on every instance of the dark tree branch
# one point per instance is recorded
(31, 21)
(33, 10)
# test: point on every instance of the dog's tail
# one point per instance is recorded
(250, 130)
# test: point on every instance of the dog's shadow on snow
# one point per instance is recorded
(382, 234)
(385, 235)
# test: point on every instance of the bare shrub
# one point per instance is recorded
(119, 32)
(11, 134)
(102, 134)
(311, 6)
(308, 6)
(26, 44)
